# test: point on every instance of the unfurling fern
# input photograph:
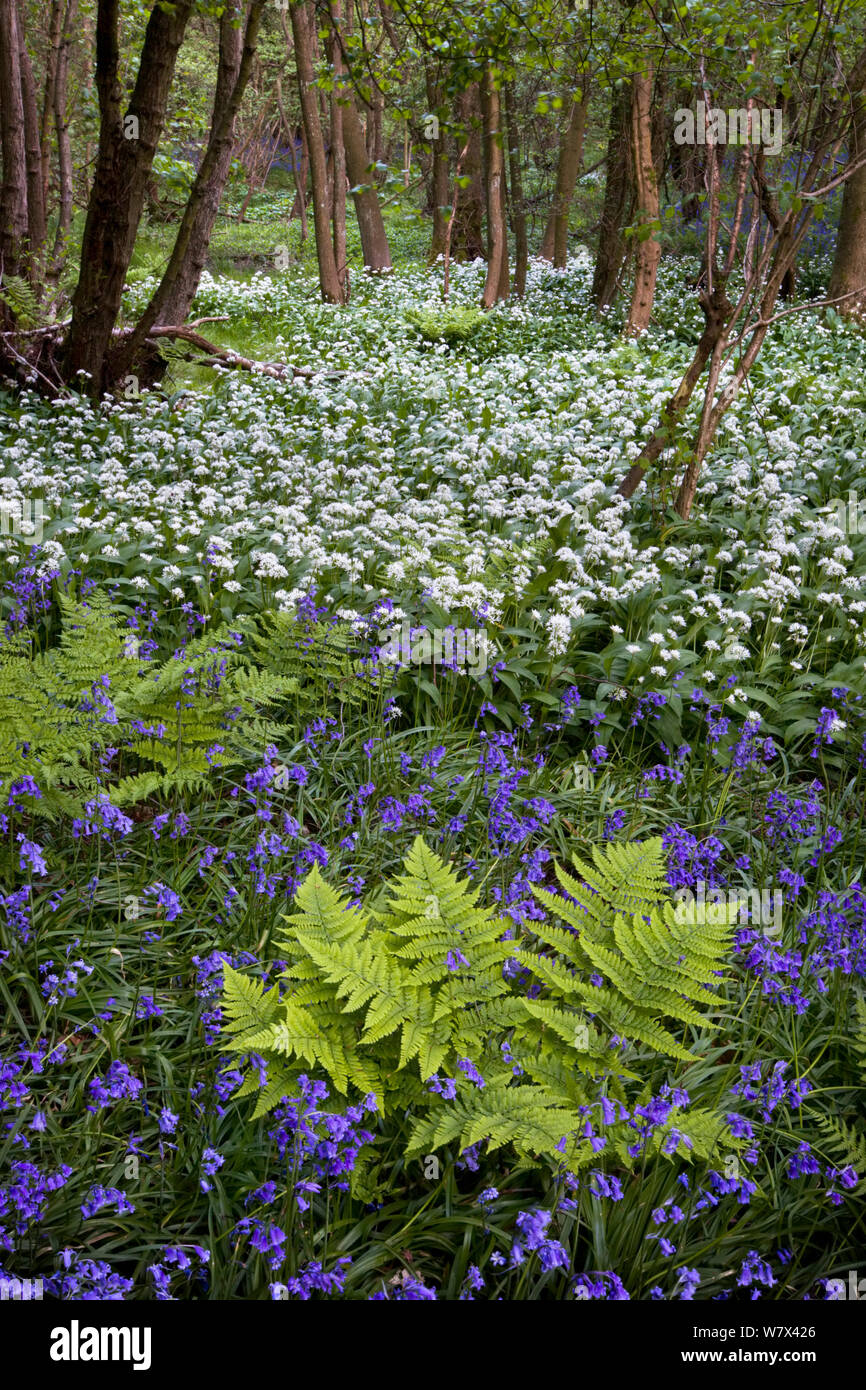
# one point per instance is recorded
(383, 1000)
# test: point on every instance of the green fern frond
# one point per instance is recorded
(848, 1143)
(380, 1001)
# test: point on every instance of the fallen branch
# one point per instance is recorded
(46, 339)
(225, 357)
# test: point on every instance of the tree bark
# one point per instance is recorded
(13, 190)
(301, 174)
(518, 206)
(126, 150)
(717, 309)
(617, 191)
(647, 194)
(55, 38)
(60, 113)
(338, 157)
(686, 161)
(33, 157)
(293, 134)
(554, 244)
(304, 35)
(173, 297)
(371, 225)
(848, 277)
(496, 284)
(467, 240)
(440, 170)
(375, 147)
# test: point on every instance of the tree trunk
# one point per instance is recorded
(87, 50)
(617, 188)
(554, 245)
(173, 297)
(293, 134)
(687, 161)
(301, 174)
(518, 206)
(13, 190)
(183, 273)
(33, 157)
(496, 284)
(467, 240)
(338, 156)
(439, 173)
(848, 277)
(127, 146)
(647, 194)
(375, 147)
(374, 240)
(504, 288)
(60, 85)
(55, 38)
(717, 309)
(304, 35)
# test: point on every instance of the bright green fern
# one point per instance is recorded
(63, 707)
(410, 1002)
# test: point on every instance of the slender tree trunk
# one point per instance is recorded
(33, 157)
(848, 276)
(647, 193)
(375, 147)
(449, 230)
(554, 245)
(439, 173)
(173, 297)
(182, 275)
(87, 74)
(304, 35)
(13, 190)
(496, 284)
(55, 37)
(686, 161)
(717, 309)
(325, 120)
(771, 211)
(617, 188)
(127, 145)
(788, 242)
(764, 286)
(374, 240)
(504, 289)
(338, 155)
(518, 206)
(64, 147)
(301, 174)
